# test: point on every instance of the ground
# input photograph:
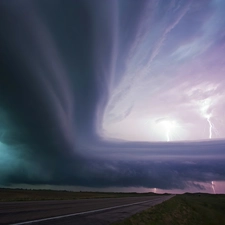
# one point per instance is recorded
(7, 194)
(186, 209)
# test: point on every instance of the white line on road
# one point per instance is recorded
(82, 213)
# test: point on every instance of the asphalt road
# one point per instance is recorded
(82, 212)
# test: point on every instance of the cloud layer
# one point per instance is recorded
(111, 93)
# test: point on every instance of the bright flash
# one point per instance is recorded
(168, 129)
(169, 126)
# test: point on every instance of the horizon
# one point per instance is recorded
(86, 190)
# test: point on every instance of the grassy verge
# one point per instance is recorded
(187, 209)
(7, 194)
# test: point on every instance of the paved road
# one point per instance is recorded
(82, 212)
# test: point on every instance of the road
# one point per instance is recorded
(82, 212)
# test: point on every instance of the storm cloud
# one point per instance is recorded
(112, 93)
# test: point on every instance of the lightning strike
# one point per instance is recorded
(213, 187)
(169, 127)
(205, 111)
(210, 126)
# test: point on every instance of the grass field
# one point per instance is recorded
(186, 209)
(7, 194)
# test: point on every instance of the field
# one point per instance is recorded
(7, 194)
(186, 209)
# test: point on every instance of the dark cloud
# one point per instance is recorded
(57, 64)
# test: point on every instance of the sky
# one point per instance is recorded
(118, 95)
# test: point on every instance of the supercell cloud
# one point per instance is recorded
(112, 94)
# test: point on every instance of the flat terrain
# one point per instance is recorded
(187, 209)
(103, 211)
(7, 195)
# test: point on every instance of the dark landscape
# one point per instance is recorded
(7, 195)
(67, 207)
(185, 209)
(80, 207)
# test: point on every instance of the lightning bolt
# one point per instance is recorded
(213, 188)
(207, 114)
(170, 127)
(210, 126)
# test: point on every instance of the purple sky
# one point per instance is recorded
(113, 95)
(172, 83)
